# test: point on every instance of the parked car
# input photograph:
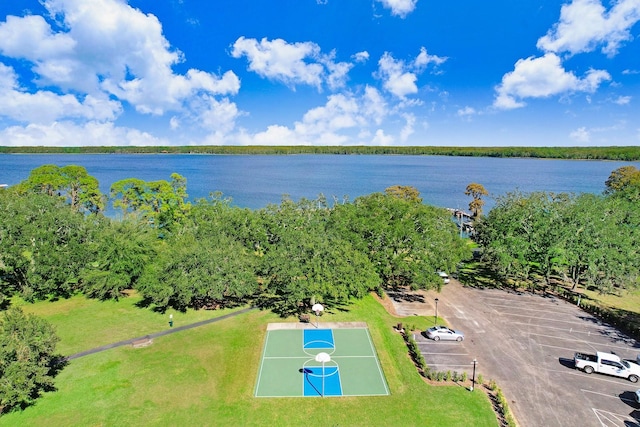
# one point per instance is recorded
(438, 333)
(444, 276)
(637, 395)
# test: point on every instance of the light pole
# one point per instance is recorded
(473, 377)
(435, 320)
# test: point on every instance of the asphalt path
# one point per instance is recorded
(526, 343)
(156, 334)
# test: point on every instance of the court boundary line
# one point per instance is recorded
(264, 350)
(357, 325)
(375, 353)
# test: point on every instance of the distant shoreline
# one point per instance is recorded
(617, 153)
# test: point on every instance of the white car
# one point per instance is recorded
(444, 276)
(438, 333)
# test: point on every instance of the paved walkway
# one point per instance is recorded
(156, 334)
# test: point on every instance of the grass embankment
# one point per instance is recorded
(206, 376)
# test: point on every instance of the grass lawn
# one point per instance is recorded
(626, 300)
(206, 376)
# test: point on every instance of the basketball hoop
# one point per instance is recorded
(318, 309)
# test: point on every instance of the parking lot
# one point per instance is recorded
(526, 343)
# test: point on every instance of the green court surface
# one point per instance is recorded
(291, 367)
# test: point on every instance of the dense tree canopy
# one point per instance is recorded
(42, 245)
(161, 202)
(586, 239)
(624, 181)
(27, 359)
(71, 182)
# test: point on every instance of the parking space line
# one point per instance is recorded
(557, 337)
(572, 350)
(450, 354)
(607, 418)
(528, 308)
(551, 320)
(612, 396)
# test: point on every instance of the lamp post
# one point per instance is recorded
(435, 320)
(473, 377)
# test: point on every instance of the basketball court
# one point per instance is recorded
(334, 359)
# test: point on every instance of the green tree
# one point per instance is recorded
(194, 272)
(42, 245)
(406, 241)
(404, 192)
(71, 182)
(476, 191)
(118, 256)
(624, 181)
(27, 360)
(161, 202)
(306, 261)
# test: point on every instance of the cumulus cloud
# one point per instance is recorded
(543, 77)
(399, 8)
(292, 63)
(44, 106)
(361, 56)
(92, 57)
(586, 25)
(345, 118)
(67, 133)
(399, 78)
(580, 135)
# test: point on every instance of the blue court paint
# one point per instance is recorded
(313, 384)
(318, 338)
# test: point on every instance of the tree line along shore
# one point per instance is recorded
(619, 153)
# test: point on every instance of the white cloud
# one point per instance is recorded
(344, 119)
(361, 56)
(71, 134)
(399, 78)
(98, 54)
(396, 80)
(45, 106)
(407, 130)
(424, 59)
(542, 77)
(466, 112)
(399, 8)
(292, 63)
(580, 135)
(585, 25)
(622, 100)
(381, 138)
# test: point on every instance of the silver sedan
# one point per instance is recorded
(438, 333)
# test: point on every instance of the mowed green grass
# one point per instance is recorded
(206, 376)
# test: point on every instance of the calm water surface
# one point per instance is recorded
(254, 181)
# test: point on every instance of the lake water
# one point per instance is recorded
(254, 181)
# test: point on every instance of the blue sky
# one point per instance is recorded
(319, 72)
